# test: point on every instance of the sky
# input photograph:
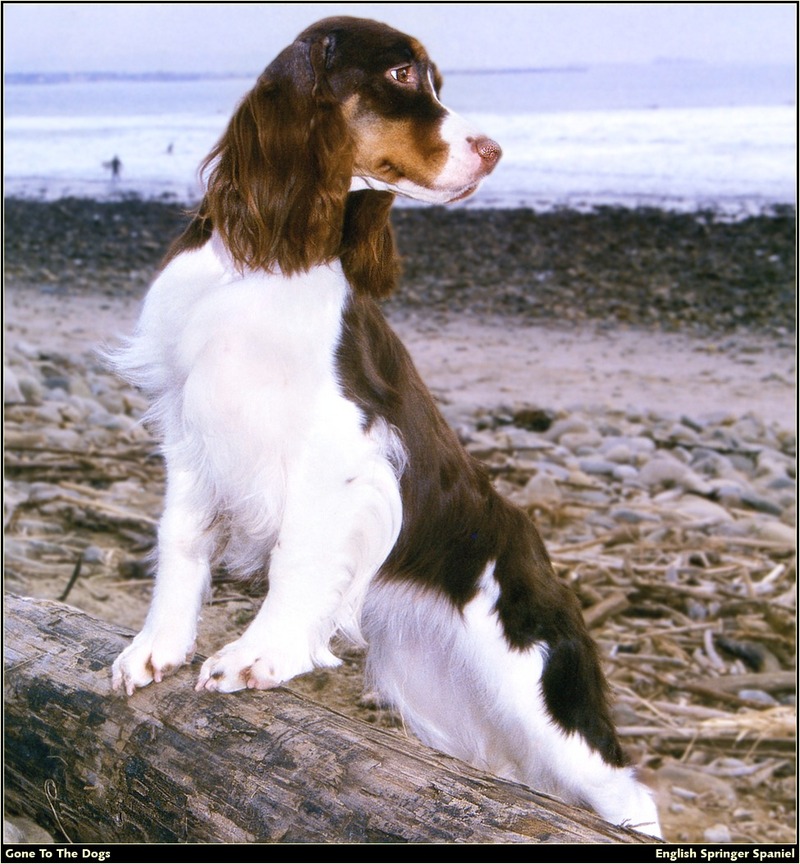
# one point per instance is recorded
(244, 37)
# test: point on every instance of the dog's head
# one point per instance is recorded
(352, 106)
(406, 140)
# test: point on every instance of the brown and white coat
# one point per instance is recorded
(302, 445)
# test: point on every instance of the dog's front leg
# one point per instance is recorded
(340, 522)
(167, 639)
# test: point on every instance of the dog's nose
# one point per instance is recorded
(487, 149)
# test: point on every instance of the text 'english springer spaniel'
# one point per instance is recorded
(301, 443)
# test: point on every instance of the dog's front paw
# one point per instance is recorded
(149, 658)
(243, 664)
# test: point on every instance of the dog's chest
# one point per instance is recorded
(248, 391)
(255, 359)
(257, 331)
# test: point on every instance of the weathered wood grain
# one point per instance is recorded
(172, 765)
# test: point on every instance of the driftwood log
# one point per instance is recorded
(173, 765)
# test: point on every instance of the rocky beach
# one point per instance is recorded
(629, 378)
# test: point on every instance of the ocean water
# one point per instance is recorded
(672, 135)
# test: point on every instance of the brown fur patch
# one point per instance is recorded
(393, 150)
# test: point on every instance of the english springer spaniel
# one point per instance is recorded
(301, 443)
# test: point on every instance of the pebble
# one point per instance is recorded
(695, 783)
(698, 511)
(625, 473)
(632, 517)
(541, 489)
(522, 440)
(758, 696)
(32, 391)
(718, 833)
(18, 829)
(777, 532)
(597, 466)
(665, 472)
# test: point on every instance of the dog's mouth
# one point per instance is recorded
(470, 190)
(407, 188)
(443, 195)
(433, 195)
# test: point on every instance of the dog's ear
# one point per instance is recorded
(278, 178)
(368, 252)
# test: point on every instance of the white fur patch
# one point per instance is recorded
(462, 690)
(242, 368)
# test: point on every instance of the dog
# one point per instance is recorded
(301, 443)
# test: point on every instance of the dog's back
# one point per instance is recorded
(301, 443)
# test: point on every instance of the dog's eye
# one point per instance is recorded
(404, 74)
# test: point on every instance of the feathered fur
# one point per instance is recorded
(302, 446)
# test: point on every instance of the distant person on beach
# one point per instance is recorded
(115, 165)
